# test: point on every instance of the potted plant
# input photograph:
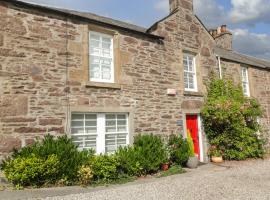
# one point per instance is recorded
(216, 154)
(166, 162)
(193, 160)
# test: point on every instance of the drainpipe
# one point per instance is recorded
(219, 67)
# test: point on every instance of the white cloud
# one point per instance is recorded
(251, 43)
(210, 12)
(163, 6)
(250, 11)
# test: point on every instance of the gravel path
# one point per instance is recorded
(233, 180)
(244, 180)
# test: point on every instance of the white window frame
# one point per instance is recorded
(112, 58)
(101, 130)
(194, 73)
(245, 82)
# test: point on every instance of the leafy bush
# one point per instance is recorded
(70, 159)
(190, 144)
(105, 168)
(151, 152)
(230, 121)
(85, 175)
(129, 161)
(32, 170)
(179, 149)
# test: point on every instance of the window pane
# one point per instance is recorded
(115, 141)
(77, 117)
(110, 129)
(91, 117)
(110, 122)
(90, 123)
(110, 116)
(94, 36)
(84, 130)
(121, 122)
(90, 130)
(77, 131)
(77, 123)
(106, 39)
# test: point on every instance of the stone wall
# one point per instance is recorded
(41, 84)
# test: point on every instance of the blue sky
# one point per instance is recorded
(247, 19)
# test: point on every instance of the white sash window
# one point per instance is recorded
(190, 79)
(245, 81)
(101, 57)
(104, 133)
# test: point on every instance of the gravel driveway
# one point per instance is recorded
(234, 180)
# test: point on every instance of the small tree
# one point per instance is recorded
(230, 121)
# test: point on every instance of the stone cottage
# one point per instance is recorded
(101, 81)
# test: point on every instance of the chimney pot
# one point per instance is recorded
(223, 28)
(218, 30)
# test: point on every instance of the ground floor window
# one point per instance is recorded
(103, 132)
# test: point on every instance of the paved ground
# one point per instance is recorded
(233, 180)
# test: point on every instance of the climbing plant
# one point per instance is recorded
(231, 121)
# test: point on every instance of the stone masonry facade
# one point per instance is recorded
(44, 73)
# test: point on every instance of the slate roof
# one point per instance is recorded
(241, 58)
(100, 20)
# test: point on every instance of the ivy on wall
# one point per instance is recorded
(231, 121)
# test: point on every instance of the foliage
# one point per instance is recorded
(85, 175)
(190, 144)
(70, 159)
(32, 170)
(175, 169)
(129, 161)
(230, 121)
(214, 151)
(179, 149)
(151, 152)
(105, 167)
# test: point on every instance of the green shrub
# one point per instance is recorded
(230, 121)
(85, 175)
(105, 168)
(129, 161)
(70, 159)
(190, 144)
(32, 170)
(179, 149)
(151, 152)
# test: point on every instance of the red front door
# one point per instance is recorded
(192, 126)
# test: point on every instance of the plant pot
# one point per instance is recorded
(193, 162)
(165, 167)
(217, 159)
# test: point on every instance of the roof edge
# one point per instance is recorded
(97, 22)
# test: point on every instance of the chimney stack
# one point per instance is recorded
(185, 4)
(222, 36)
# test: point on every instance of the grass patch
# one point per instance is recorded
(119, 181)
(175, 169)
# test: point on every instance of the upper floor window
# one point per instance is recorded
(190, 79)
(245, 81)
(103, 132)
(101, 57)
